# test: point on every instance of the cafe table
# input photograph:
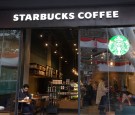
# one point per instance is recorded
(21, 101)
(24, 101)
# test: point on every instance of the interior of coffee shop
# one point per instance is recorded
(96, 62)
(60, 57)
(56, 52)
(54, 64)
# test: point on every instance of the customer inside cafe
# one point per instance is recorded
(25, 106)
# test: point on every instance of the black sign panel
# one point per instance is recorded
(77, 17)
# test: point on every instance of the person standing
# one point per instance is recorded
(101, 98)
(89, 92)
(94, 91)
(24, 94)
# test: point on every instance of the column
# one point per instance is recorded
(27, 44)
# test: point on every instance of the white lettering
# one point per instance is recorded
(43, 17)
(81, 15)
(88, 15)
(108, 14)
(71, 15)
(28, 17)
(95, 14)
(64, 16)
(35, 16)
(57, 16)
(50, 16)
(115, 14)
(22, 17)
(15, 17)
(101, 14)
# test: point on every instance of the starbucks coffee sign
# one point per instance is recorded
(65, 16)
(118, 45)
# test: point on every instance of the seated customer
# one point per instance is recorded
(127, 104)
(25, 95)
(126, 99)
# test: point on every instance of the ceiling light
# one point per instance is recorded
(46, 44)
(56, 44)
(41, 35)
(111, 63)
(55, 52)
(74, 44)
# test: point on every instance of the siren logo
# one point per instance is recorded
(118, 45)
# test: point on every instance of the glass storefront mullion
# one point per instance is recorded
(79, 75)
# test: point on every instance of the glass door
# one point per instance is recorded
(107, 79)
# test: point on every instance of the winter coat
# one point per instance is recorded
(101, 91)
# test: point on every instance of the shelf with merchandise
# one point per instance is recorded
(74, 91)
(37, 69)
(42, 71)
(63, 91)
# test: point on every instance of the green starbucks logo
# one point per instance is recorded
(118, 45)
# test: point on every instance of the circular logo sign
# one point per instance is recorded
(118, 45)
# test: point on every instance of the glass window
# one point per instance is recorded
(107, 61)
(9, 56)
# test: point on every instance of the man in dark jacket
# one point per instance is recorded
(89, 92)
(25, 95)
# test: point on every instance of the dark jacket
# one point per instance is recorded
(89, 90)
(23, 94)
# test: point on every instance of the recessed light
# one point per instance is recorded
(74, 44)
(46, 44)
(56, 44)
(55, 52)
(76, 49)
(41, 35)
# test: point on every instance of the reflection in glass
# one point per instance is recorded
(98, 61)
(9, 55)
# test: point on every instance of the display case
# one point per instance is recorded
(63, 95)
(69, 98)
(74, 91)
(52, 105)
(63, 90)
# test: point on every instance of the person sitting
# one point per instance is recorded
(126, 104)
(26, 108)
(126, 99)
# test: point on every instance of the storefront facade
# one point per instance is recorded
(73, 17)
(107, 20)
